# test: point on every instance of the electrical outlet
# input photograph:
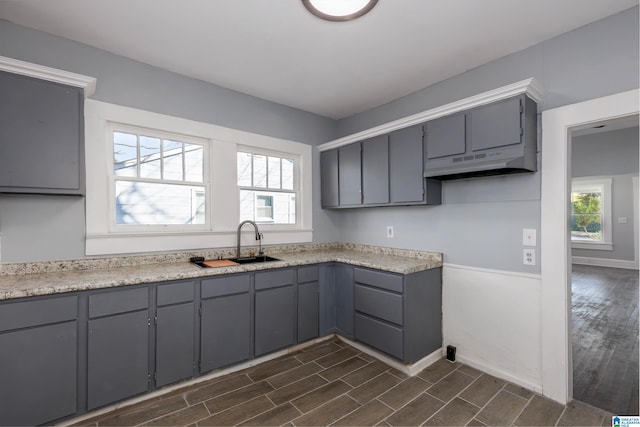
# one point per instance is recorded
(390, 231)
(529, 256)
(529, 236)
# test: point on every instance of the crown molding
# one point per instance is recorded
(529, 86)
(16, 66)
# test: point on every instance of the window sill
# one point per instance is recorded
(592, 246)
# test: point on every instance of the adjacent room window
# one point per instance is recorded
(158, 179)
(268, 185)
(591, 212)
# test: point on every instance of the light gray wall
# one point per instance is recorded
(27, 232)
(613, 154)
(480, 221)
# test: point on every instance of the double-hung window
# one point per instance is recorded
(591, 213)
(268, 186)
(158, 179)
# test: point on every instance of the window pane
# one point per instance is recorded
(172, 158)
(149, 157)
(125, 154)
(287, 174)
(244, 169)
(259, 171)
(193, 162)
(586, 218)
(159, 204)
(268, 207)
(274, 172)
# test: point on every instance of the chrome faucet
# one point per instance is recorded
(258, 237)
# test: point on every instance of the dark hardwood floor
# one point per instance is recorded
(605, 338)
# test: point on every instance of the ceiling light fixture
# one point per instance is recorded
(339, 10)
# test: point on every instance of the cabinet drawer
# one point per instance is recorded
(382, 304)
(308, 274)
(120, 301)
(273, 279)
(227, 285)
(29, 313)
(378, 279)
(380, 335)
(174, 293)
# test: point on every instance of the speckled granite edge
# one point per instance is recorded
(174, 257)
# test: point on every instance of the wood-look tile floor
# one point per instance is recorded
(332, 383)
(605, 337)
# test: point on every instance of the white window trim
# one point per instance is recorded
(223, 205)
(605, 184)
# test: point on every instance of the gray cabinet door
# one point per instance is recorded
(225, 331)
(445, 136)
(308, 311)
(496, 125)
(343, 275)
(118, 358)
(38, 367)
(406, 180)
(329, 178)
(375, 170)
(175, 341)
(41, 136)
(350, 174)
(274, 319)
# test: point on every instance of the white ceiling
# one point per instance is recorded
(276, 50)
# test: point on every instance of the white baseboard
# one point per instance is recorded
(411, 370)
(500, 374)
(603, 262)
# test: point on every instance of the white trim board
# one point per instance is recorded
(604, 262)
(555, 290)
(529, 86)
(16, 66)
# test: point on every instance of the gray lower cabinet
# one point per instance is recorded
(118, 346)
(343, 292)
(38, 360)
(225, 321)
(400, 315)
(175, 332)
(41, 136)
(308, 303)
(275, 310)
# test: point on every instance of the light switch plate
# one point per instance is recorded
(390, 231)
(528, 236)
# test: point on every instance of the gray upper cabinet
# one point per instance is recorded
(329, 179)
(350, 175)
(41, 136)
(406, 162)
(118, 346)
(175, 332)
(225, 324)
(375, 170)
(38, 360)
(496, 125)
(445, 136)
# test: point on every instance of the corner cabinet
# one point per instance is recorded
(386, 170)
(41, 136)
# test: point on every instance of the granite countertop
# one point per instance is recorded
(31, 279)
